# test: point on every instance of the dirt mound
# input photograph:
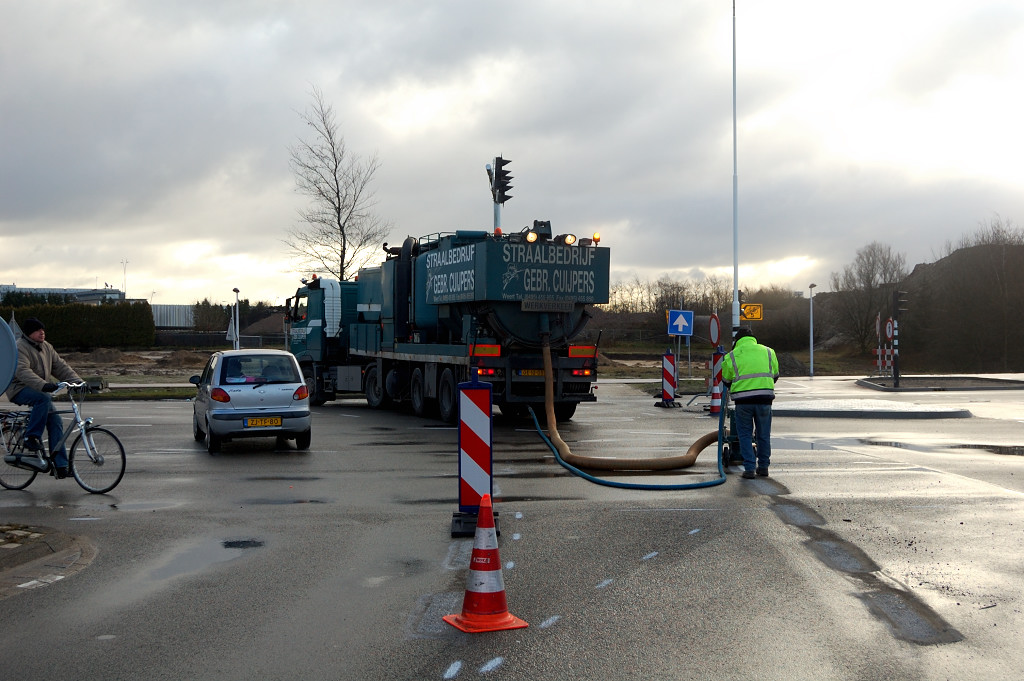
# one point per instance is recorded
(103, 356)
(183, 358)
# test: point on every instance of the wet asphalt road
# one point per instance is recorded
(879, 548)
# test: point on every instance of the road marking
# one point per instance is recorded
(550, 622)
(603, 584)
(492, 665)
(650, 555)
(453, 670)
(695, 531)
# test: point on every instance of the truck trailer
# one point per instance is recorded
(444, 308)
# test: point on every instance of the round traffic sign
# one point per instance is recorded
(888, 329)
(716, 329)
(8, 355)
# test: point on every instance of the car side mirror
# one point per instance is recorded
(194, 380)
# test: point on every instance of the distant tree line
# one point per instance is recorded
(962, 311)
(208, 316)
(85, 327)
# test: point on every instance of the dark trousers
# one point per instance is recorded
(43, 414)
(754, 423)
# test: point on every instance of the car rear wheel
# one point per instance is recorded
(302, 440)
(197, 432)
(213, 442)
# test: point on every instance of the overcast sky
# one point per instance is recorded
(147, 141)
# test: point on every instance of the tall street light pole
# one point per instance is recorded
(735, 192)
(235, 315)
(812, 328)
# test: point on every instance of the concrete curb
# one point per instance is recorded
(23, 544)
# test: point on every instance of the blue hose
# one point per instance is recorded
(633, 485)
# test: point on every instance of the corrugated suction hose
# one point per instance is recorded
(573, 463)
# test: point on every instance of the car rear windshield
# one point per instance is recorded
(259, 369)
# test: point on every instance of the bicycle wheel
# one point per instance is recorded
(12, 477)
(99, 470)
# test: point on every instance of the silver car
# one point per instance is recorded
(251, 393)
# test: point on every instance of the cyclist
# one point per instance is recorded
(31, 386)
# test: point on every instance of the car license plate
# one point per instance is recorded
(262, 421)
(531, 372)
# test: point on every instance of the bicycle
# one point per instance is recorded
(96, 458)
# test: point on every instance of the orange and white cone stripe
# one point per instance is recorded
(484, 607)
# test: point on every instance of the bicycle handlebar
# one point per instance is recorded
(64, 385)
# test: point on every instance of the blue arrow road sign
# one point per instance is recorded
(680, 322)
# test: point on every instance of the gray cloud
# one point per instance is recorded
(159, 133)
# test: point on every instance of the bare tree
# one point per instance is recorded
(865, 288)
(339, 230)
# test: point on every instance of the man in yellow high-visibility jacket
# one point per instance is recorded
(750, 371)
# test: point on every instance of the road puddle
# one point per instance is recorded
(1005, 450)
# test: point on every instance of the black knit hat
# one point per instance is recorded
(31, 325)
(742, 332)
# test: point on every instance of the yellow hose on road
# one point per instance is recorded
(607, 463)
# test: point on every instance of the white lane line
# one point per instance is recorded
(550, 622)
(650, 555)
(453, 670)
(492, 665)
(603, 584)
(695, 531)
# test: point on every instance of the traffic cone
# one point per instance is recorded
(484, 607)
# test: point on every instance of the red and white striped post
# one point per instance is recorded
(668, 379)
(476, 454)
(716, 385)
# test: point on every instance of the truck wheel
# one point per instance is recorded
(375, 395)
(514, 412)
(316, 396)
(447, 396)
(564, 411)
(418, 393)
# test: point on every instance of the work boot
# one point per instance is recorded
(748, 475)
(33, 443)
(763, 472)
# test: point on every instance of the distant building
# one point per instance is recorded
(88, 296)
(173, 316)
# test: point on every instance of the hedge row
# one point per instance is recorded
(85, 327)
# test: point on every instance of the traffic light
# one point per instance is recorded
(501, 181)
(899, 301)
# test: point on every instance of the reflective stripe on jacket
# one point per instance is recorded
(750, 370)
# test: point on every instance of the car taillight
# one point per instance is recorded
(219, 395)
(301, 393)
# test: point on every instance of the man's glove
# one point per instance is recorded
(49, 387)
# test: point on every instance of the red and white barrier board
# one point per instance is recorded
(475, 445)
(668, 378)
